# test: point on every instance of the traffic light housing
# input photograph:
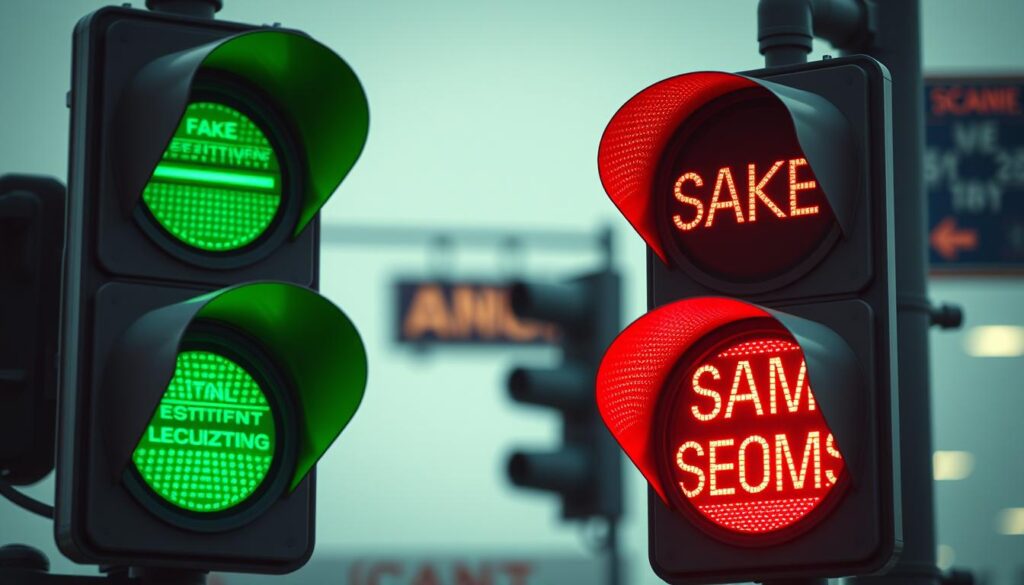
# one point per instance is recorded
(31, 239)
(766, 201)
(586, 471)
(202, 376)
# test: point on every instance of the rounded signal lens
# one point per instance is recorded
(218, 187)
(748, 451)
(738, 202)
(211, 442)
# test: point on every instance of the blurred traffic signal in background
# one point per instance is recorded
(758, 394)
(202, 378)
(586, 471)
(31, 238)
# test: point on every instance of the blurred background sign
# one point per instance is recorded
(463, 312)
(432, 570)
(974, 171)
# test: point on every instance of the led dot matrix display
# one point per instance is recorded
(741, 209)
(750, 450)
(210, 443)
(218, 186)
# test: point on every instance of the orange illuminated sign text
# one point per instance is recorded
(445, 312)
(968, 101)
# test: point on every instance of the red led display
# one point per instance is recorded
(638, 364)
(747, 451)
(737, 200)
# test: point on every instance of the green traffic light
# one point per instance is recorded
(211, 441)
(218, 186)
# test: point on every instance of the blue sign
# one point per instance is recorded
(974, 173)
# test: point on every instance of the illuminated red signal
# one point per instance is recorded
(746, 445)
(733, 183)
(635, 139)
(709, 169)
(765, 431)
(712, 400)
(636, 369)
(728, 198)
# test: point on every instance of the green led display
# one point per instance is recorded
(218, 186)
(211, 440)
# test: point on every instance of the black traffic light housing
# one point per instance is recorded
(138, 294)
(586, 471)
(31, 241)
(836, 298)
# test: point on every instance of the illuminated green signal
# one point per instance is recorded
(210, 443)
(166, 171)
(218, 186)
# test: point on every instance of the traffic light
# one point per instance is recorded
(765, 199)
(202, 376)
(31, 238)
(586, 471)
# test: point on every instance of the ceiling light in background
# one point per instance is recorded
(995, 341)
(945, 556)
(952, 465)
(1010, 522)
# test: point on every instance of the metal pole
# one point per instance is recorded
(786, 28)
(890, 31)
(335, 234)
(612, 553)
(897, 44)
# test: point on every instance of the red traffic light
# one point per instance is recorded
(721, 417)
(712, 169)
(766, 436)
(752, 452)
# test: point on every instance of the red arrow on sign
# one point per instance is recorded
(948, 240)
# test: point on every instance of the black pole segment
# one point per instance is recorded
(947, 316)
(784, 31)
(24, 501)
(568, 388)
(957, 576)
(32, 211)
(196, 8)
(565, 303)
(28, 577)
(565, 471)
(613, 554)
(843, 23)
(23, 557)
(606, 241)
(890, 32)
(24, 565)
(786, 28)
(897, 44)
(807, 581)
(337, 234)
(160, 576)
